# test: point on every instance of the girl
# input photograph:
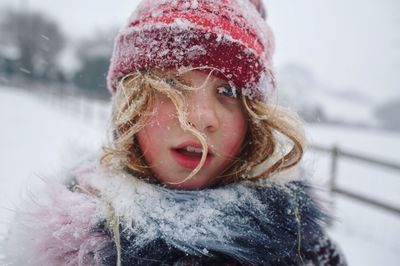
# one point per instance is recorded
(201, 170)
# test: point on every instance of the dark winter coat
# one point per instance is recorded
(275, 221)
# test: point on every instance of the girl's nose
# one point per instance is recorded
(202, 113)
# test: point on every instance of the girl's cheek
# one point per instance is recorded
(162, 118)
(154, 133)
(235, 133)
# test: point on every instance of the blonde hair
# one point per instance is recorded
(271, 129)
(263, 152)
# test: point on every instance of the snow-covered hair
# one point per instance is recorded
(229, 37)
(274, 142)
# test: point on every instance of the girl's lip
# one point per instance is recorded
(189, 162)
(186, 161)
(193, 144)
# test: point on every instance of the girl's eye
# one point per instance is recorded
(227, 91)
(175, 82)
(170, 81)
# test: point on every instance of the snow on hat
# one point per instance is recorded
(228, 35)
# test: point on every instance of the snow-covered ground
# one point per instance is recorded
(38, 130)
(36, 133)
(367, 235)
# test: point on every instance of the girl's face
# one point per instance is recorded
(173, 154)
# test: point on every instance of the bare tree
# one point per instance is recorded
(388, 114)
(37, 39)
(94, 54)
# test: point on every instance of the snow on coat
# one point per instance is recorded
(268, 222)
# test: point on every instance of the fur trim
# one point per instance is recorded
(55, 228)
(249, 222)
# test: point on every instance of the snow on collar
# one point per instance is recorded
(249, 221)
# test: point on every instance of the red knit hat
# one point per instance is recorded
(228, 35)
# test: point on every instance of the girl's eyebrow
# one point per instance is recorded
(223, 83)
(182, 80)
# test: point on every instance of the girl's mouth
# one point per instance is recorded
(189, 156)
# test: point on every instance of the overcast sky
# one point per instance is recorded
(350, 45)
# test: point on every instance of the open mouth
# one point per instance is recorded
(191, 152)
(189, 156)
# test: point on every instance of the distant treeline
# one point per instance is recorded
(32, 46)
(34, 50)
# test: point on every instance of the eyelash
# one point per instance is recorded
(227, 91)
(175, 82)
(171, 81)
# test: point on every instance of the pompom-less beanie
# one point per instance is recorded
(229, 36)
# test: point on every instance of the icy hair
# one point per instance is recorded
(272, 130)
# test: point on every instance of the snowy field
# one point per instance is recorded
(367, 235)
(38, 131)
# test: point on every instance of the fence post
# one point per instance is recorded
(334, 165)
(332, 179)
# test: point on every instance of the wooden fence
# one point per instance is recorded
(336, 154)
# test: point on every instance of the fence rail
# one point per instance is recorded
(354, 156)
(336, 153)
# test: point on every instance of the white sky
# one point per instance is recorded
(350, 45)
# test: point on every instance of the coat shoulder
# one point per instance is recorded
(54, 226)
